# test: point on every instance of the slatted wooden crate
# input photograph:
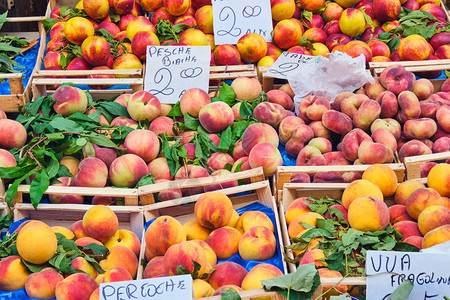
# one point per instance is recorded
(413, 163)
(285, 173)
(183, 210)
(20, 94)
(268, 82)
(218, 74)
(146, 193)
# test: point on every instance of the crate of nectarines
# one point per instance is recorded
(333, 225)
(66, 252)
(233, 235)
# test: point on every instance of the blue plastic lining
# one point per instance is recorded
(276, 260)
(28, 61)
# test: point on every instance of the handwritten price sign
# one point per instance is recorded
(234, 18)
(289, 62)
(163, 288)
(386, 270)
(171, 70)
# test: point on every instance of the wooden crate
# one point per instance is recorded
(21, 94)
(183, 210)
(146, 192)
(413, 163)
(285, 173)
(268, 82)
(415, 66)
(130, 195)
(217, 74)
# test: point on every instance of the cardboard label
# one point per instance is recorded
(171, 70)
(234, 18)
(163, 288)
(288, 63)
(429, 272)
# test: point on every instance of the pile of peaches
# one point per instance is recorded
(37, 243)
(216, 233)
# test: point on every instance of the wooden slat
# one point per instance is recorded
(131, 72)
(412, 163)
(89, 81)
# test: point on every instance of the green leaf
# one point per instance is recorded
(53, 165)
(350, 236)
(66, 125)
(34, 268)
(405, 247)
(115, 108)
(175, 111)
(96, 249)
(226, 140)
(12, 190)
(100, 140)
(49, 23)
(367, 18)
(326, 224)
(402, 291)
(317, 232)
(182, 270)
(190, 122)
(145, 180)
(245, 109)
(3, 17)
(38, 186)
(230, 294)
(14, 172)
(302, 283)
(227, 95)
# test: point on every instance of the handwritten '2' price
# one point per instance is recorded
(163, 77)
(227, 13)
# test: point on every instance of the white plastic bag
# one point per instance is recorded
(328, 77)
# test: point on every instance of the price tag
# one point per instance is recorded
(171, 70)
(234, 18)
(163, 288)
(429, 272)
(289, 62)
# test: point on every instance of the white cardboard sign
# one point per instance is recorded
(288, 63)
(163, 288)
(429, 272)
(234, 18)
(171, 70)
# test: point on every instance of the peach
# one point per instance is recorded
(13, 273)
(269, 113)
(352, 22)
(443, 117)
(397, 79)
(69, 100)
(42, 284)
(246, 88)
(137, 24)
(96, 9)
(124, 121)
(374, 90)
(107, 155)
(194, 37)
(92, 172)
(320, 130)
(143, 143)
(159, 168)
(184, 253)
(331, 289)
(323, 144)
(223, 185)
(227, 287)
(110, 27)
(64, 199)
(257, 243)
(385, 10)
(368, 213)
(368, 112)
(57, 30)
(120, 256)
(438, 179)
(379, 48)
(164, 232)
(295, 226)
(162, 124)
(204, 18)
(250, 219)
(420, 129)
(224, 241)
(413, 47)
(259, 272)
(316, 256)
(355, 48)
(414, 240)
(67, 233)
(420, 199)
(316, 34)
(100, 222)
(213, 210)
(36, 242)
(413, 148)
(432, 217)
(442, 144)
(350, 105)
(252, 47)
(268, 157)
(227, 273)
(75, 286)
(114, 274)
(282, 9)
(226, 54)
(383, 176)
(287, 33)
(335, 158)
(211, 256)
(405, 189)
(328, 177)
(201, 289)
(193, 100)
(310, 156)
(78, 229)
(216, 116)
(389, 104)
(141, 40)
(281, 98)
(351, 143)
(407, 229)
(390, 124)
(143, 106)
(80, 263)
(234, 219)
(155, 268)
(423, 88)
(436, 236)
(336, 39)
(125, 238)
(374, 153)
(258, 133)
(77, 29)
(126, 61)
(428, 108)
(337, 122)
(96, 50)
(360, 188)
(127, 170)
(385, 137)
